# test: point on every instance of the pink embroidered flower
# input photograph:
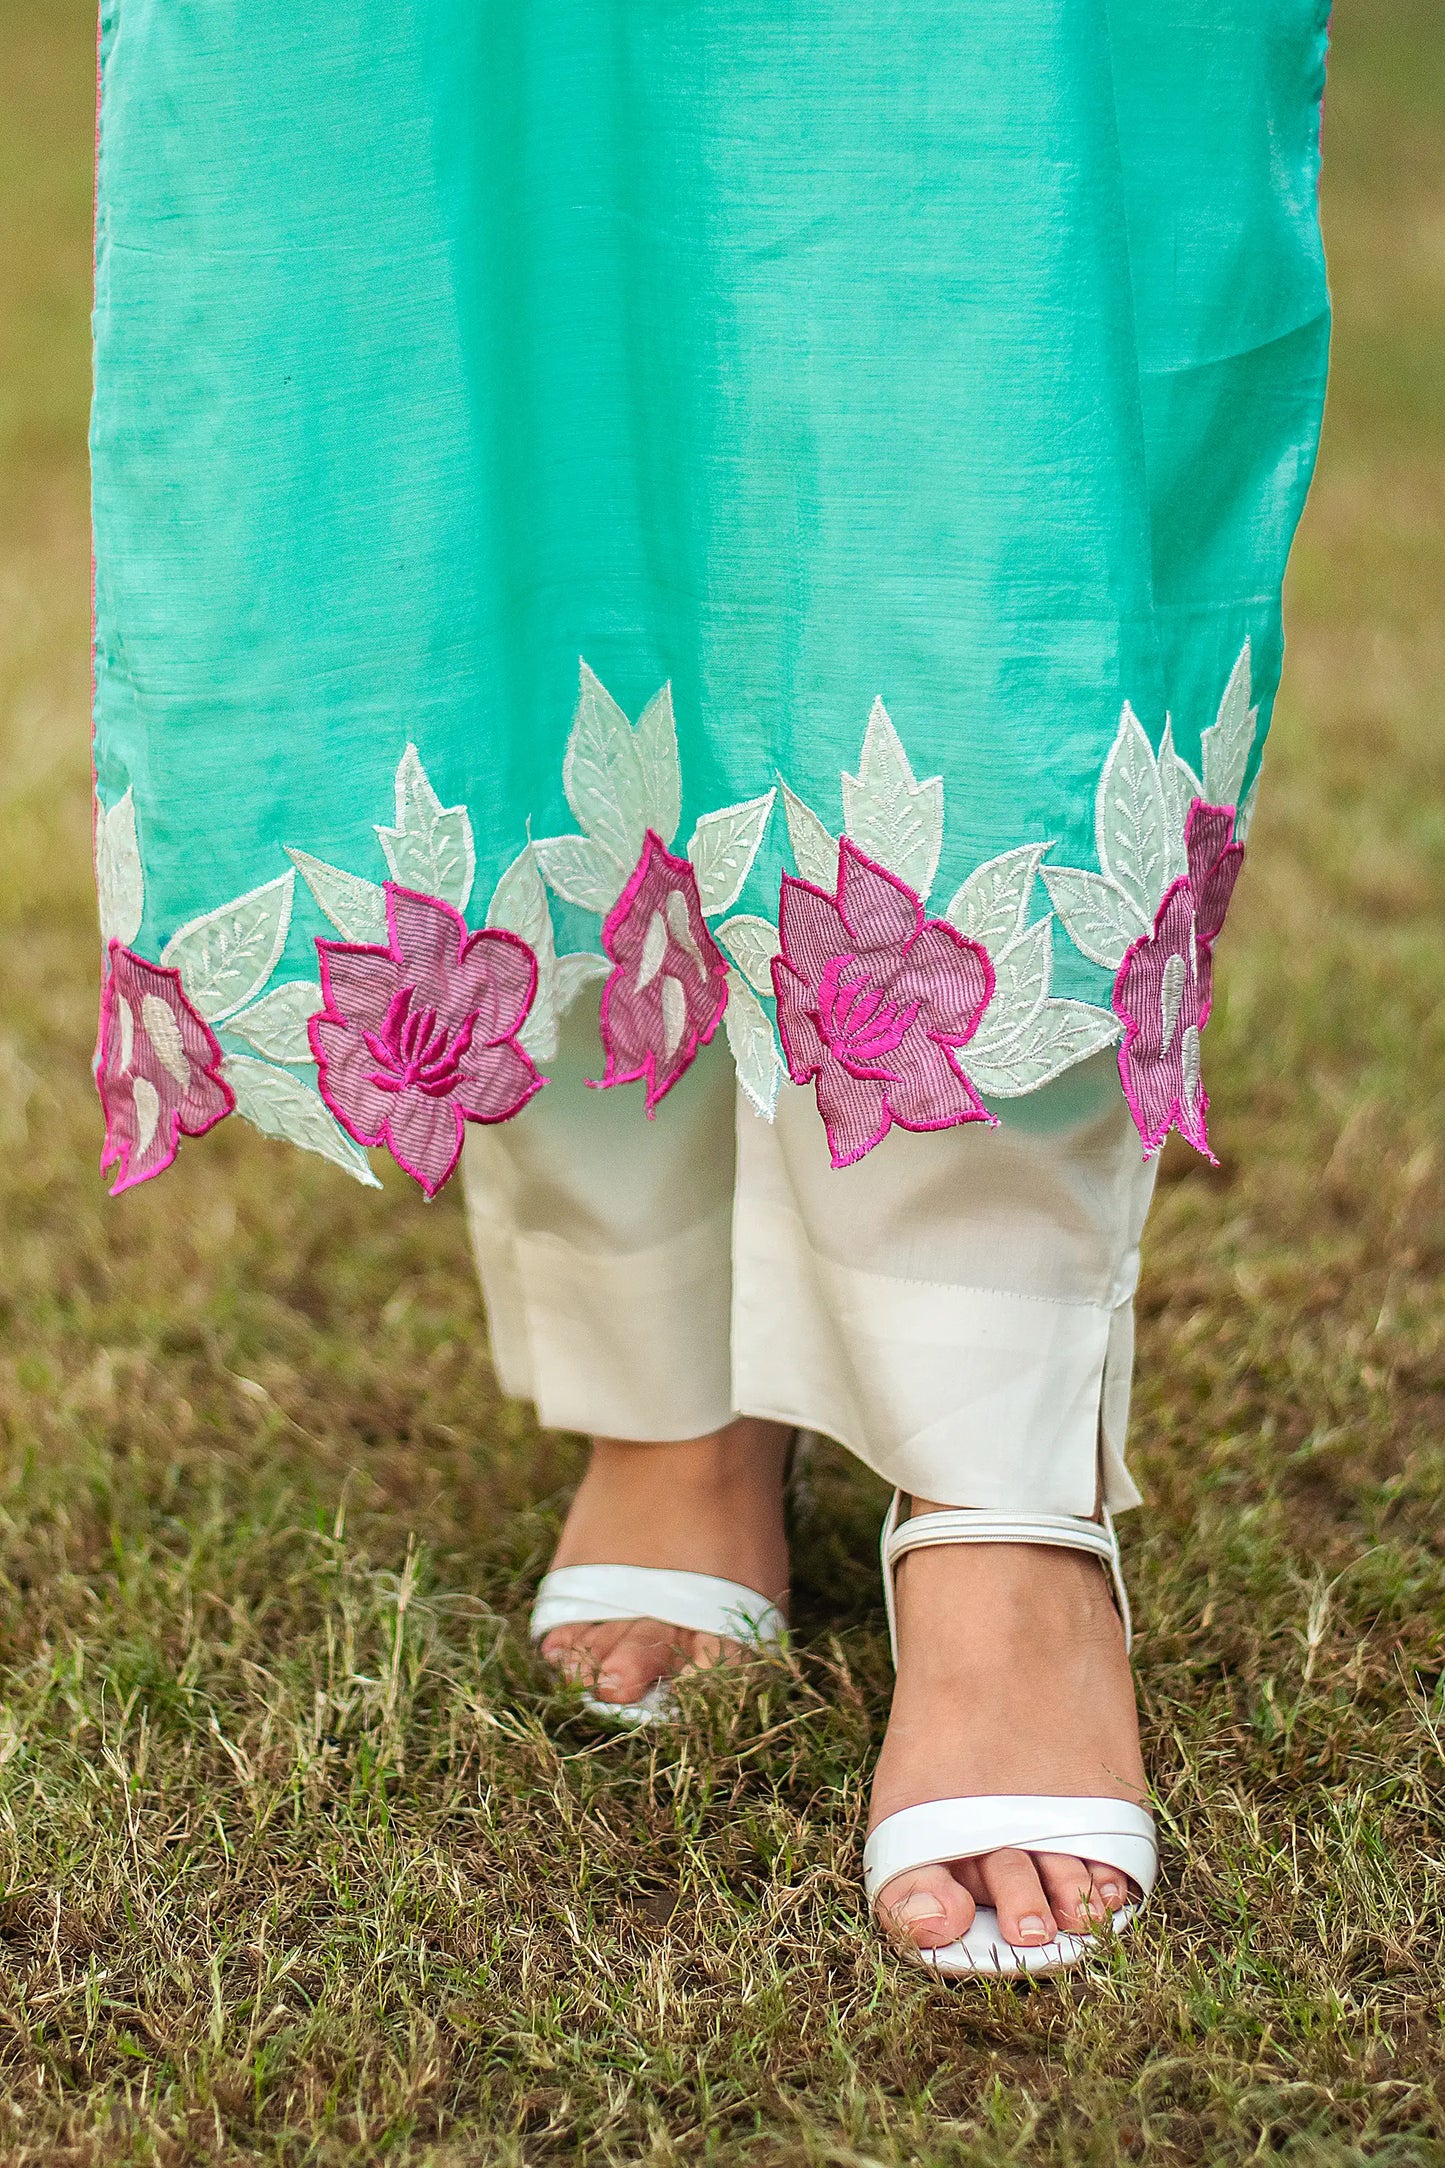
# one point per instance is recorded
(420, 1037)
(1157, 995)
(872, 1000)
(668, 990)
(1214, 862)
(1165, 986)
(158, 1071)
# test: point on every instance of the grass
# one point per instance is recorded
(302, 1864)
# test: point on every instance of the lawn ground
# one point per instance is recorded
(300, 1862)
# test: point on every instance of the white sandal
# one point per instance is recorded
(943, 1831)
(699, 1603)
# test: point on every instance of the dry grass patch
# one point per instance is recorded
(304, 1861)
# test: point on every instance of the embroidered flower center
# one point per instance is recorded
(414, 1051)
(856, 1021)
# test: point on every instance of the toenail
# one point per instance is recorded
(919, 1906)
(1111, 1893)
(1033, 1929)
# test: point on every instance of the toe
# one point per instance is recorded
(1111, 1887)
(618, 1662)
(643, 1653)
(578, 1653)
(1017, 1895)
(927, 1906)
(1069, 1888)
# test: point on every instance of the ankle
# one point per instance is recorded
(1018, 1606)
(745, 1454)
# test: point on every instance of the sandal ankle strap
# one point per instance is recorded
(970, 1524)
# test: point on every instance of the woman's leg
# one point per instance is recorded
(957, 1310)
(604, 1247)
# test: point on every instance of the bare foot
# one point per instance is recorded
(1012, 1678)
(701, 1505)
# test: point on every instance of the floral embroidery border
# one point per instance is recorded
(418, 1024)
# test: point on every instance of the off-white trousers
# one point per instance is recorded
(956, 1309)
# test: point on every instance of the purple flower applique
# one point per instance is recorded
(420, 1037)
(1157, 995)
(1214, 862)
(873, 999)
(668, 988)
(159, 1069)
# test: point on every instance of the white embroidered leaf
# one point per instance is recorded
(225, 957)
(754, 1046)
(1180, 787)
(582, 968)
(604, 778)
(519, 905)
(992, 903)
(280, 1105)
(356, 908)
(580, 872)
(752, 944)
(1063, 1032)
(661, 771)
(430, 848)
(1129, 822)
(1228, 741)
(1244, 818)
(1099, 918)
(119, 879)
(815, 852)
(1022, 973)
(895, 819)
(276, 1024)
(722, 850)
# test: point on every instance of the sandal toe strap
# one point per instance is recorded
(1114, 1831)
(696, 1602)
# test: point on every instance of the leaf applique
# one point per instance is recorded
(1180, 787)
(752, 943)
(993, 902)
(1022, 975)
(1061, 1034)
(580, 871)
(754, 1046)
(280, 1105)
(604, 778)
(225, 957)
(519, 906)
(583, 967)
(356, 908)
(430, 849)
(119, 877)
(722, 850)
(1129, 824)
(275, 1026)
(895, 819)
(1098, 917)
(661, 770)
(1229, 740)
(815, 851)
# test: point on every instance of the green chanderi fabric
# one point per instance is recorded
(925, 394)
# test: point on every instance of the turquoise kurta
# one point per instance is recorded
(926, 395)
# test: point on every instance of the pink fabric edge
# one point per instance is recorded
(1174, 1115)
(112, 1154)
